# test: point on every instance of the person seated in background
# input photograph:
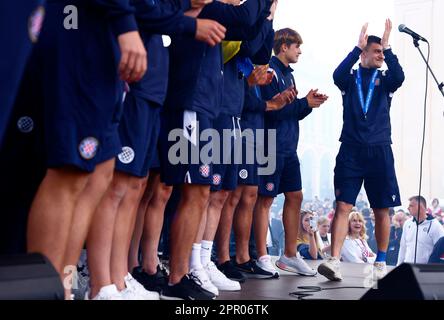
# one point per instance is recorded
(395, 237)
(308, 243)
(325, 236)
(356, 248)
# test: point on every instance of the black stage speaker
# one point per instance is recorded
(410, 282)
(29, 277)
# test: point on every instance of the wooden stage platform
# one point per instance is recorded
(356, 282)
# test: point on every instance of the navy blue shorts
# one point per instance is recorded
(181, 161)
(225, 167)
(375, 167)
(82, 91)
(139, 132)
(20, 24)
(287, 177)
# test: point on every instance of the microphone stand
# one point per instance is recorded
(440, 85)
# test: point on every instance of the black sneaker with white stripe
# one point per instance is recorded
(251, 270)
(189, 288)
(231, 272)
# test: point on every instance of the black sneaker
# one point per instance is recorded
(155, 282)
(231, 272)
(251, 270)
(188, 288)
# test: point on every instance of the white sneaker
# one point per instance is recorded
(379, 270)
(296, 265)
(219, 279)
(330, 269)
(139, 289)
(205, 281)
(265, 263)
(106, 293)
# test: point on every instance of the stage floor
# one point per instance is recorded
(355, 275)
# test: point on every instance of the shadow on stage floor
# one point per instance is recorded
(357, 280)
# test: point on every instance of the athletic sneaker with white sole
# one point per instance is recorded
(219, 279)
(189, 288)
(106, 293)
(139, 290)
(379, 270)
(205, 281)
(331, 269)
(265, 263)
(296, 265)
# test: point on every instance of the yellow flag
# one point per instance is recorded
(230, 49)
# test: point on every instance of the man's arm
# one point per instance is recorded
(119, 12)
(341, 75)
(251, 48)
(395, 75)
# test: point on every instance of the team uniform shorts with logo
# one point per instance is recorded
(286, 178)
(225, 172)
(20, 25)
(81, 88)
(181, 161)
(372, 165)
(139, 132)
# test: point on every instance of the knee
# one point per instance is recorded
(70, 179)
(294, 197)
(250, 198)
(265, 203)
(164, 193)
(117, 190)
(217, 199)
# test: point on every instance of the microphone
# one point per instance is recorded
(403, 28)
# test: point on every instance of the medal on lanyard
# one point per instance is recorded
(365, 106)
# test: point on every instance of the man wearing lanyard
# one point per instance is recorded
(365, 155)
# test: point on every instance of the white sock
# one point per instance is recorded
(205, 253)
(195, 257)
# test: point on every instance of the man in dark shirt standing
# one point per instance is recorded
(365, 155)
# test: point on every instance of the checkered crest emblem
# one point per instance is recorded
(204, 170)
(270, 187)
(127, 155)
(243, 174)
(217, 179)
(88, 148)
(25, 124)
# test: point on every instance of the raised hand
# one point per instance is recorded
(315, 99)
(386, 36)
(282, 99)
(363, 37)
(260, 76)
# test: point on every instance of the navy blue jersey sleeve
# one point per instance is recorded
(234, 16)
(249, 48)
(395, 75)
(119, 12)
(185, 5)
(263, 55)
(253, 103)
(165, 17)
(342, 74)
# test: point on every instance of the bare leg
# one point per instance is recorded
(123, 230)
(100, 236)
(51, 213)
(184, 228)
(243, 219)
(154, 217)
(291, 216)
(133, 258)
(339, 227)
(225, 225)
(382, 228)
(261, 213)
(84, 210)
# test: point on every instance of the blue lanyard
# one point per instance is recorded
(371, 90)
(258, 93)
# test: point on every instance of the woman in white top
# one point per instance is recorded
(355, 248)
